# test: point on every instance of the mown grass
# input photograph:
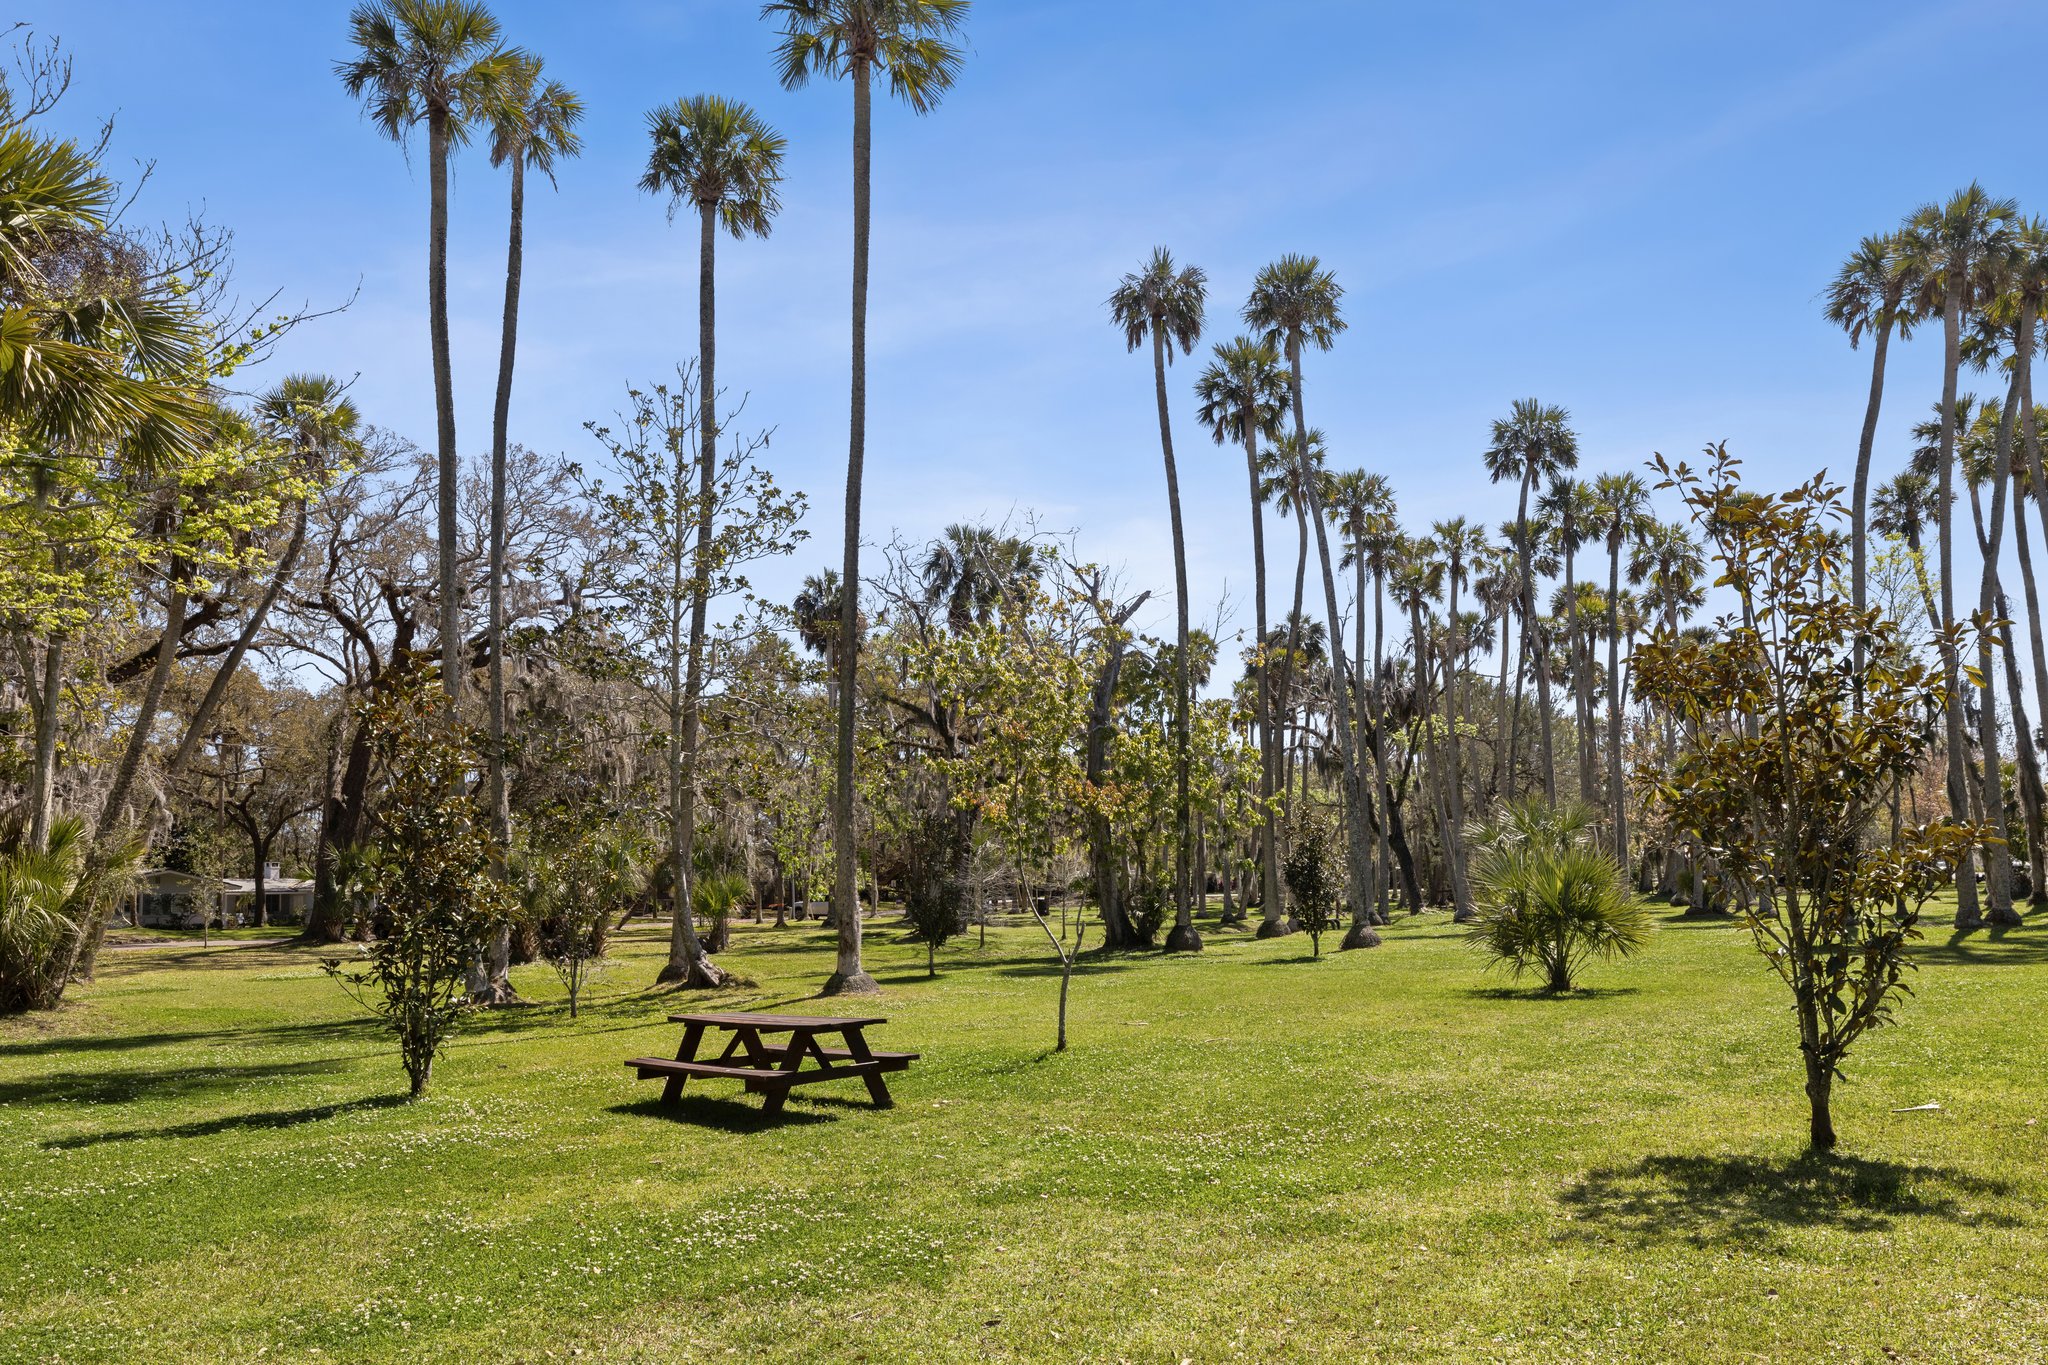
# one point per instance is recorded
(1385, 1155)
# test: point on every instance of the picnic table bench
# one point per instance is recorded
(769, 1067)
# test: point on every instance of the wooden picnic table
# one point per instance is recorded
(770, 1067)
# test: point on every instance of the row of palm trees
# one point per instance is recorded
(1974, 265)
(444, 65)
(1251, 395)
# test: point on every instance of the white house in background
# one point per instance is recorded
(163, 899)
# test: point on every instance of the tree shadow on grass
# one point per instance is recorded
(725, 1114)
(2023, 946)
(351, 1030)
(125, 1087)
(1750, 1201)
(230, 1123)
(1538, 993)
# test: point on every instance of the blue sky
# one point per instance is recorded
(1628, 209)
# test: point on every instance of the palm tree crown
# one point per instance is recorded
(419, 58)
(909, 39)
(1243, 386)
(1295, 300)
(1161, 299)
(717, 154)
(1872, 283)
(533, 121)
(1535, 441)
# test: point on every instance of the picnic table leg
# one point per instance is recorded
(792, 1058)
(693, 1034)
(878, 1089)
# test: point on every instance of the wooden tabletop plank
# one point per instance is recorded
(777, 1023)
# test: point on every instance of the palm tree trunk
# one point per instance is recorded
(848, 976)
(2031, 442)
(1184, 938)
(688, 963)
(1581, 657)
(1859, 513)
(446, 527)
(1287, 665)
(1997, 863)
(1503, 756)
(1379, 747)
(1358, 845)
(498, 986)
(1614, 696)
(1454, 836)
(1273, 910)
(1968, 916)
(1532, 638)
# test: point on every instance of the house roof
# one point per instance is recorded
(238, 885)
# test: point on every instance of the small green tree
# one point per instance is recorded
(1807, 715)
(931, 901)
(1549, 898)
(1314, 872)
(435, 890)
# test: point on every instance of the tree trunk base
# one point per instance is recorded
(1277, 928)
(1184, 939)
(1360, 936)
(700, 975)
(850, 983)
(2002, 917)
(495, 993)
(1968, 921)
(1465, 916)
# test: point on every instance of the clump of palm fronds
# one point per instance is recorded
(1549, 897)
(49, 897)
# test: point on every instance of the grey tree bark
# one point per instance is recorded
(849, 977)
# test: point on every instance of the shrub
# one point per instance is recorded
(1314, 872)
(48, 897)
(931, 900)
(435, 889)
(1549, 899)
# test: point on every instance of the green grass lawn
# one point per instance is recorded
(1384, 1155)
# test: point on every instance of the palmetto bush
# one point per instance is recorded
(46, 909)
(1549, 898)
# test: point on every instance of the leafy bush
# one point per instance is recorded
(1314, 872)
(931, 900)
(436, 892)
(1549, 898)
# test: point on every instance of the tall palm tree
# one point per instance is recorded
(1243, 393)
(1622, 511)
(1163, 302)
(1456, 544)
(910, 44)
(1870, 295)
(719, 158)
(436, 62)
(1532, 444)
(532, 125)
(1949, 248)
(1296, 303)
(1566, 510)
(1287, 468)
